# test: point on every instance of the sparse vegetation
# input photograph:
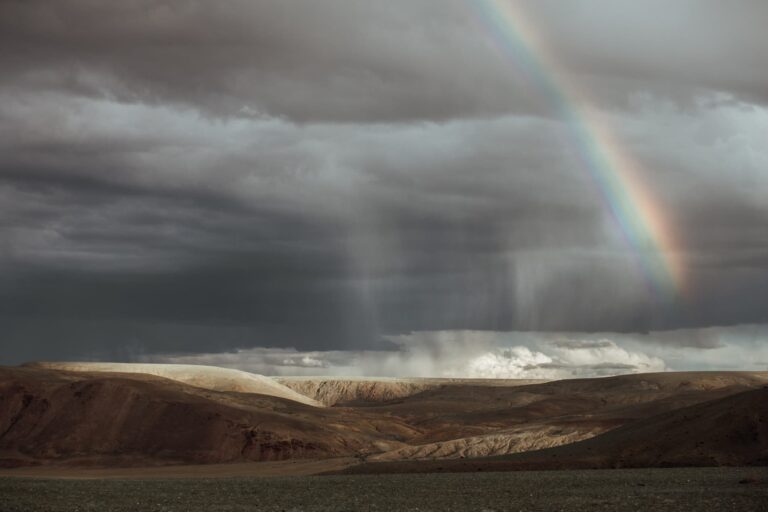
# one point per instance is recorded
(703, 489)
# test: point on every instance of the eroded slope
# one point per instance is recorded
(208, 377)
(61, 416)
(340, 391)
(731, 431)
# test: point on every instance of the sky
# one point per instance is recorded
(410, 187)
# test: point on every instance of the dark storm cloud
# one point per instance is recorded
(336, 60)
(197, 177)
(611, 367)
(581, 344)
(677, 49)
(370, 61)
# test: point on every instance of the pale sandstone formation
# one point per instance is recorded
(208, 377)
(342, 390)
(521, 439)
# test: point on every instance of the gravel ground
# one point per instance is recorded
(715, 489)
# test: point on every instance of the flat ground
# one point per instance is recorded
(700, 489)
(295, 467)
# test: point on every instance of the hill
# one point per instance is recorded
(361, 390)
(103, 418)
(731, 431)
(119, 416)
(208, 377)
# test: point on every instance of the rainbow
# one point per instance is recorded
(640, 219)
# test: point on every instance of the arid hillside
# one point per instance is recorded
(730, 431)
(361, 390)
(480, 421)
(110, 418)
(208, 377)
(133, 415)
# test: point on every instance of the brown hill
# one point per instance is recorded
(730, 431)
(112, 418)
(481, 421)
(360, 390)
(136, 418)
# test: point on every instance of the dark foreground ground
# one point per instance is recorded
(715, 489)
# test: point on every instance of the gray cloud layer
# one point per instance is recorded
(202, 176)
